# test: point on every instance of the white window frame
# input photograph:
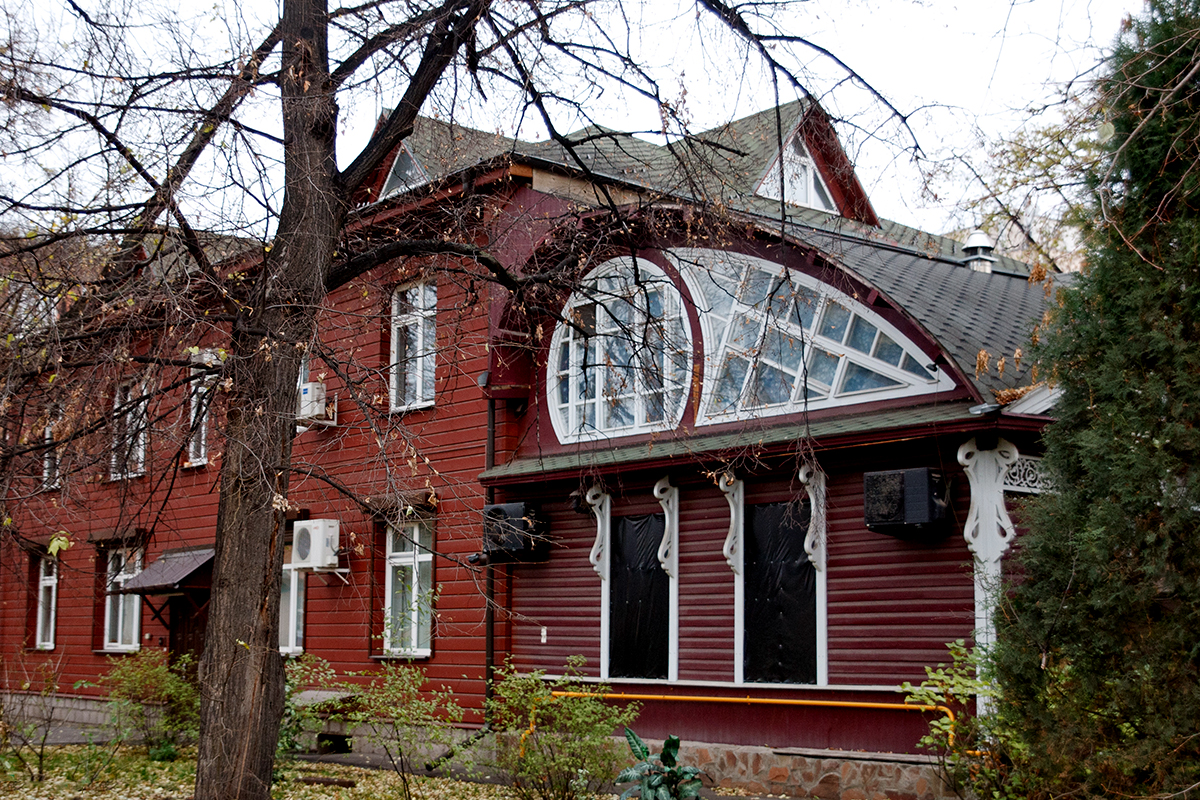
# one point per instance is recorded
(588, 375)
(813, 480)
(47, 602)
(50, 460)
(419, 371)
(715, 279)
(121, 564)
(668, 558)
(292, 600)
(409, 547)
(131, 420)
(200, 390)
(803, 185)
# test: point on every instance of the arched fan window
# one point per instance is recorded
(621, 360)
(778, 341)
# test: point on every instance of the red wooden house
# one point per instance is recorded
(753, 465)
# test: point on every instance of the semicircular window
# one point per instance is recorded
(778, 341)
(622, 356)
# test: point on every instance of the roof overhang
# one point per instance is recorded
(174, 571)
(893, 425)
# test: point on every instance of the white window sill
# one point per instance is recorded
(200, 462)
(403, 655)
(412, 407)
(44, 647)
(127, 477)
(114, 650)
(291, 652)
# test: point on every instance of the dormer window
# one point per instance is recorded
(802, 183)
(622, 356)
(406, 174)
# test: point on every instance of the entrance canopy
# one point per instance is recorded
(174, 571)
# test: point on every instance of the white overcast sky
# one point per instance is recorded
(958, 66)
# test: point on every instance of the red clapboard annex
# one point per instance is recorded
(763, 446)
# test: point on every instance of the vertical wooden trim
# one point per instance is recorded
(601, 505)
(668, 557)
(734, 552)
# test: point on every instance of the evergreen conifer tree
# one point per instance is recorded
(1098, 657)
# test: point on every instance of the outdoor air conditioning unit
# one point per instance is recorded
(906, 503)
(513, 532)
(315, 544)
(312, 406)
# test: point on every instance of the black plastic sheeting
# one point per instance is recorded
(781, 596)
(639, 596)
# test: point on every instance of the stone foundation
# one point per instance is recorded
(826, 774)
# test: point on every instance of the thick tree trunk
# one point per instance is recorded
(241, 671)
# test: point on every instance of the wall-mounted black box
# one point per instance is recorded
(908, 503)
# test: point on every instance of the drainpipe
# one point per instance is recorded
(489, 613)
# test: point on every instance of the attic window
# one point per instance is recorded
(802, 184)
(406, 174)
(777, 341)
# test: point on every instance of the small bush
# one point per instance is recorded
(299, 720)
(556, 748)
(976, 751)
(401, 718)
(157, 699)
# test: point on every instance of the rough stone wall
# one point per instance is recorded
(825, 774)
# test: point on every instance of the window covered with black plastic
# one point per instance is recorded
(781, 595)
(639, 599)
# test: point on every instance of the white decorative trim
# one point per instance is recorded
(734, 552)
(1038, 401)
(989, 531)
(1025, 476)
(813, 479)
(668, 557)
(601, 505)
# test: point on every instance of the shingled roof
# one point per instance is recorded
(967, 312)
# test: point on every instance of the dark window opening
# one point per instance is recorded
(781, 596)
(639, 616)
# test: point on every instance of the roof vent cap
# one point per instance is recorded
(978, 251)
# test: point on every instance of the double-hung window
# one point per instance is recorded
(50, 455)
(47, 602)
(291, 607)
(130, 422)
(414, 340)
(408, 607)
(200, 390)
(122, 617)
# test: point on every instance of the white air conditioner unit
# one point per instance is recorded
(312, 402)
(315, 544)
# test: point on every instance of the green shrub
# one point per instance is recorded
(157, 699)
(300, 720)
(977, 752)
(658, 777)
(403, 720)
(555, 748)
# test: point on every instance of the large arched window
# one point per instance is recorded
(621, 359)
(777, 341)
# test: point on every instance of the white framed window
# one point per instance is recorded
(802, 183)
(406, 174)
(414, 345)
(637, 559)
(621, 359)
(47, 602)
(777, 552)
(200, 393)
(778, 341)
(291, 606)
(130, 429)
(409, 590)
(50, 461)
(122, 612)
